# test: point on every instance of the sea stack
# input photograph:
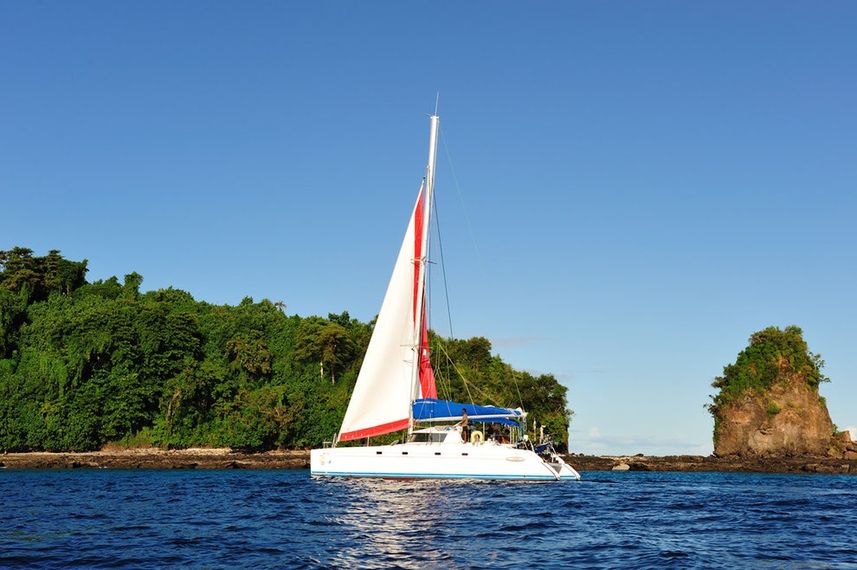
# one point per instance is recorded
(768, 403)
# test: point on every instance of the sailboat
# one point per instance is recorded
(396, 390)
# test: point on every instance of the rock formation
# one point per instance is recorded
(769, 405)
(787, 419)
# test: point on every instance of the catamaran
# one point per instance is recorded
(396, 390)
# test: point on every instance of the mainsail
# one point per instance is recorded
(396, 369)
(381, 401)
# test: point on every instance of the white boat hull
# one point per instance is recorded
(438, 461)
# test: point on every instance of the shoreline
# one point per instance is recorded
(700, 463)
(155, 458)
(224, 458)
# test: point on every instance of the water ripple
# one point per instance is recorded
(285, 519)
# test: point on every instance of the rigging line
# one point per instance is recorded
(467, 384)
(443, 385)
(446, 386)
(443, 378)
(447, 376)
(443, 268)
(463, 380)
(446, 383)
(460, 196)
(520, 399)
(475, 247)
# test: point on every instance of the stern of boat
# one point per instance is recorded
(563, 470)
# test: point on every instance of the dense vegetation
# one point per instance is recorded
(87, 364)
(771, 355)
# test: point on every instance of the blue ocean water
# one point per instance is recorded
(285, 519)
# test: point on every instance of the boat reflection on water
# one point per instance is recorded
(406, 524)
(388, 519)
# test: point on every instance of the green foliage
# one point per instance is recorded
(84, 365)
(466, 371)
(38, 277)
(327, 343)
(771, 355)
(13, 314)
(773, 409)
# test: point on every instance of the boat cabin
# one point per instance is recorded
(490, 433)
(436, 434)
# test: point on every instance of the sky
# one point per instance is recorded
(626, 191)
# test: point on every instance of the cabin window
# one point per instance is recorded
(429, 437)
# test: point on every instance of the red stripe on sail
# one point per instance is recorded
(377, 430)
(418, 250)
(427, 383)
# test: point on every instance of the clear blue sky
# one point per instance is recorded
(640, 185)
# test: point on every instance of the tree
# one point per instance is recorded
(40, 276)
(249, 355)
(13, 314)
(326, 343)
(770, 353)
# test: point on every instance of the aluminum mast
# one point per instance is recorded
(421, 298)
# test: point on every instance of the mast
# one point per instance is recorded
(421, 297)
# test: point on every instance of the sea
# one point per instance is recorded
(286, 519)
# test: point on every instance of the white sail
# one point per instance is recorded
(382, 396)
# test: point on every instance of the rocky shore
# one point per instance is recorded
(153, 458)
(804, 464)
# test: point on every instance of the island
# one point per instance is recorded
(102, 367)
(768, 405)
(100, 374)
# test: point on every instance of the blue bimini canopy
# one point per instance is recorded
(429, 410)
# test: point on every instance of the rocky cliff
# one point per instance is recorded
(769, 404)
(788, 419)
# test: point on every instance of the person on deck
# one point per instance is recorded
(465, 426)
(494, 433)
